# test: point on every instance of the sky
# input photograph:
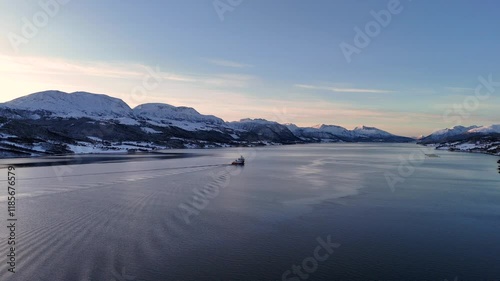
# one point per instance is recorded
(408, 67)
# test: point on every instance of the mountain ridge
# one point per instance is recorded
(481, 139)
(78, 104)
(334, 133)
(55, 122)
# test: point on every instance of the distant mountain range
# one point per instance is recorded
(54, 122)
(333, 133)
(483, 139)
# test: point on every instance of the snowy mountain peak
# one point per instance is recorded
(334, 130)
(486, 129)
(256, 120)
(362, 127)
(163, 107)
(327, 127)
(248, 124)
(484, 139)
(370, 131)
(161, 111)
(261, 128)
(338, 133)
(78, 104)
(457, 130)
(292, 127)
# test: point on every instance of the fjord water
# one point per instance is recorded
(121, 220)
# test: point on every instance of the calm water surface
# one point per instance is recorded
(127, 220)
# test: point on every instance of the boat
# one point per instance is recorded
(240, 161)
(432, 155)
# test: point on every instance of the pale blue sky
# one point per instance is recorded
(279, 60)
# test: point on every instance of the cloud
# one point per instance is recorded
(229, 80)
(460, 89)
(227, 63)
(343, 90)
(227, 95)
(54, 66)
(109, 77)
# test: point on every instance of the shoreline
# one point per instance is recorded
(79, 158)
(112, 152)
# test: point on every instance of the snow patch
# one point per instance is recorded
(486, 129)
(150, 130)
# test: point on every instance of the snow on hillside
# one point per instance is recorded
(472, 146)
(168, 112)
(187, 118)
(251, 124)
(302, 130)
(91, 148)
(150, 130)
(364, 131)
(102, 107)
(457, 130)
(263, 130)
(460, 133)
(291, 127)
(334, 130)
(479, 139)
(78, 104)
(316, 133)
(486, 129)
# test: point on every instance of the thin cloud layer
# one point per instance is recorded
(228, 63)
(343, 90)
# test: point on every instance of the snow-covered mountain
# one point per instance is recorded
(250, 124)
(484, 139)
(486, 129)
(335, 130)
(332, 133)
(447, 133)
(102, 107)
(364, 131)
(78, 104)
(161, 111)
(187, 118)
(263, 129)
(460, 133)
(312, 134)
